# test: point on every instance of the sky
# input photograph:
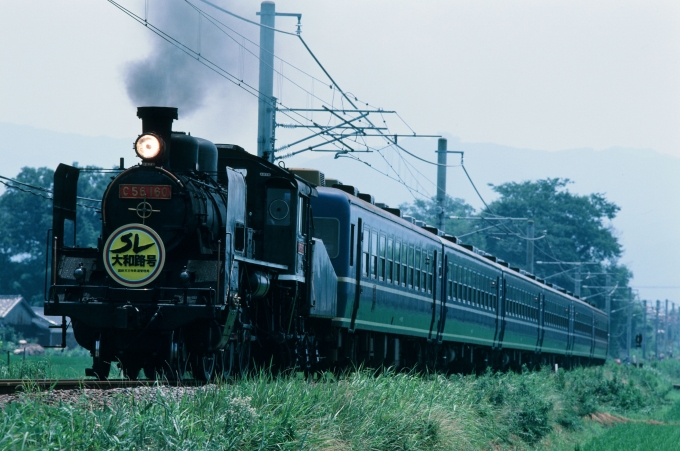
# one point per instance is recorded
(531, 75)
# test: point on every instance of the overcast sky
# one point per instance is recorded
(526, 74)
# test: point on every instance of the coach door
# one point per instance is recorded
(444, 272)
(500, 313)
(570, 338)
(592, 338)
(438, 315)
(540, 301)
(362, 265)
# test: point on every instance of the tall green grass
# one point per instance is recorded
(50, 366)
(359, 411)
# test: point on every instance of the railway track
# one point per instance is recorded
(11, 386)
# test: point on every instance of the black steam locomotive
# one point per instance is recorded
(212, 259)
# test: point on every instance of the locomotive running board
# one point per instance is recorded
(261, 263)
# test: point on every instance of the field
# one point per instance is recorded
(595, 409)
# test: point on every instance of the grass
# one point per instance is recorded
(365, 411)
(52, 365)
(636, 437)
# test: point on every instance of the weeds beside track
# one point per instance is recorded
(361, 411)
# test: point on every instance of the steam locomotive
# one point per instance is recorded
(212, 260)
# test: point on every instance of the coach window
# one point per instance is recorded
(427, 267)
(449, 281)
(351, 245)
(365, 245)
(397, 261)
(433, 269)
(328, 231)
(374, 255)
(482, 291)
(381, 257)
(471, 284)
(459, 283)
(390, 253)
(411, 270)
(468, 288)
(489, 296)
(404, 264)
(416, 279)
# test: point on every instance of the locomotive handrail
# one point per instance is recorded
(47, 261)
(261, 263)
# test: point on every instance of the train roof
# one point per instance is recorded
(452, 243)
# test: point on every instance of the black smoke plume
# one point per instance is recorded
(170, 77)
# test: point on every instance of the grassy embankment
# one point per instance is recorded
(539, 410)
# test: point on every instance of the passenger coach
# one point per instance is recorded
(409, 294)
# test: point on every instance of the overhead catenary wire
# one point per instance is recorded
(279, 72)
(199, 58)
(41, 195)
(241, 83)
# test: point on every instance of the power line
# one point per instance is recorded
(33, 193)
(198, 57)
(255, 92)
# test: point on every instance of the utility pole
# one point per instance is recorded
(672, 329)
(629, 322)
(530, 246)
(665, 331)
(441, 182)
(266, 102)
(656, 330)
(644, 329)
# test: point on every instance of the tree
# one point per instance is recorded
(426, 210)
(569, 228)
(25, 217)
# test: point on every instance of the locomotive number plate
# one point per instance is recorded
(145, 192)
(134, 255)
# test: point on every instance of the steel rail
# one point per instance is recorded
(12, 386)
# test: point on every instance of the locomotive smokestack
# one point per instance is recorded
(158, 120)
(154, 144)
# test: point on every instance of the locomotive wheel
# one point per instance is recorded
(149, 372)
(130, 370)
(101, 369)
(243, 351)
(204, 365)
(225, 361)
(176, 365)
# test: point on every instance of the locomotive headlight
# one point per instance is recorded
(148, 146)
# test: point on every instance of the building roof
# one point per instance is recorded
(8, 302)
(15, 311)
(40, 311)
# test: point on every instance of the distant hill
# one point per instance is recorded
(22, 145)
